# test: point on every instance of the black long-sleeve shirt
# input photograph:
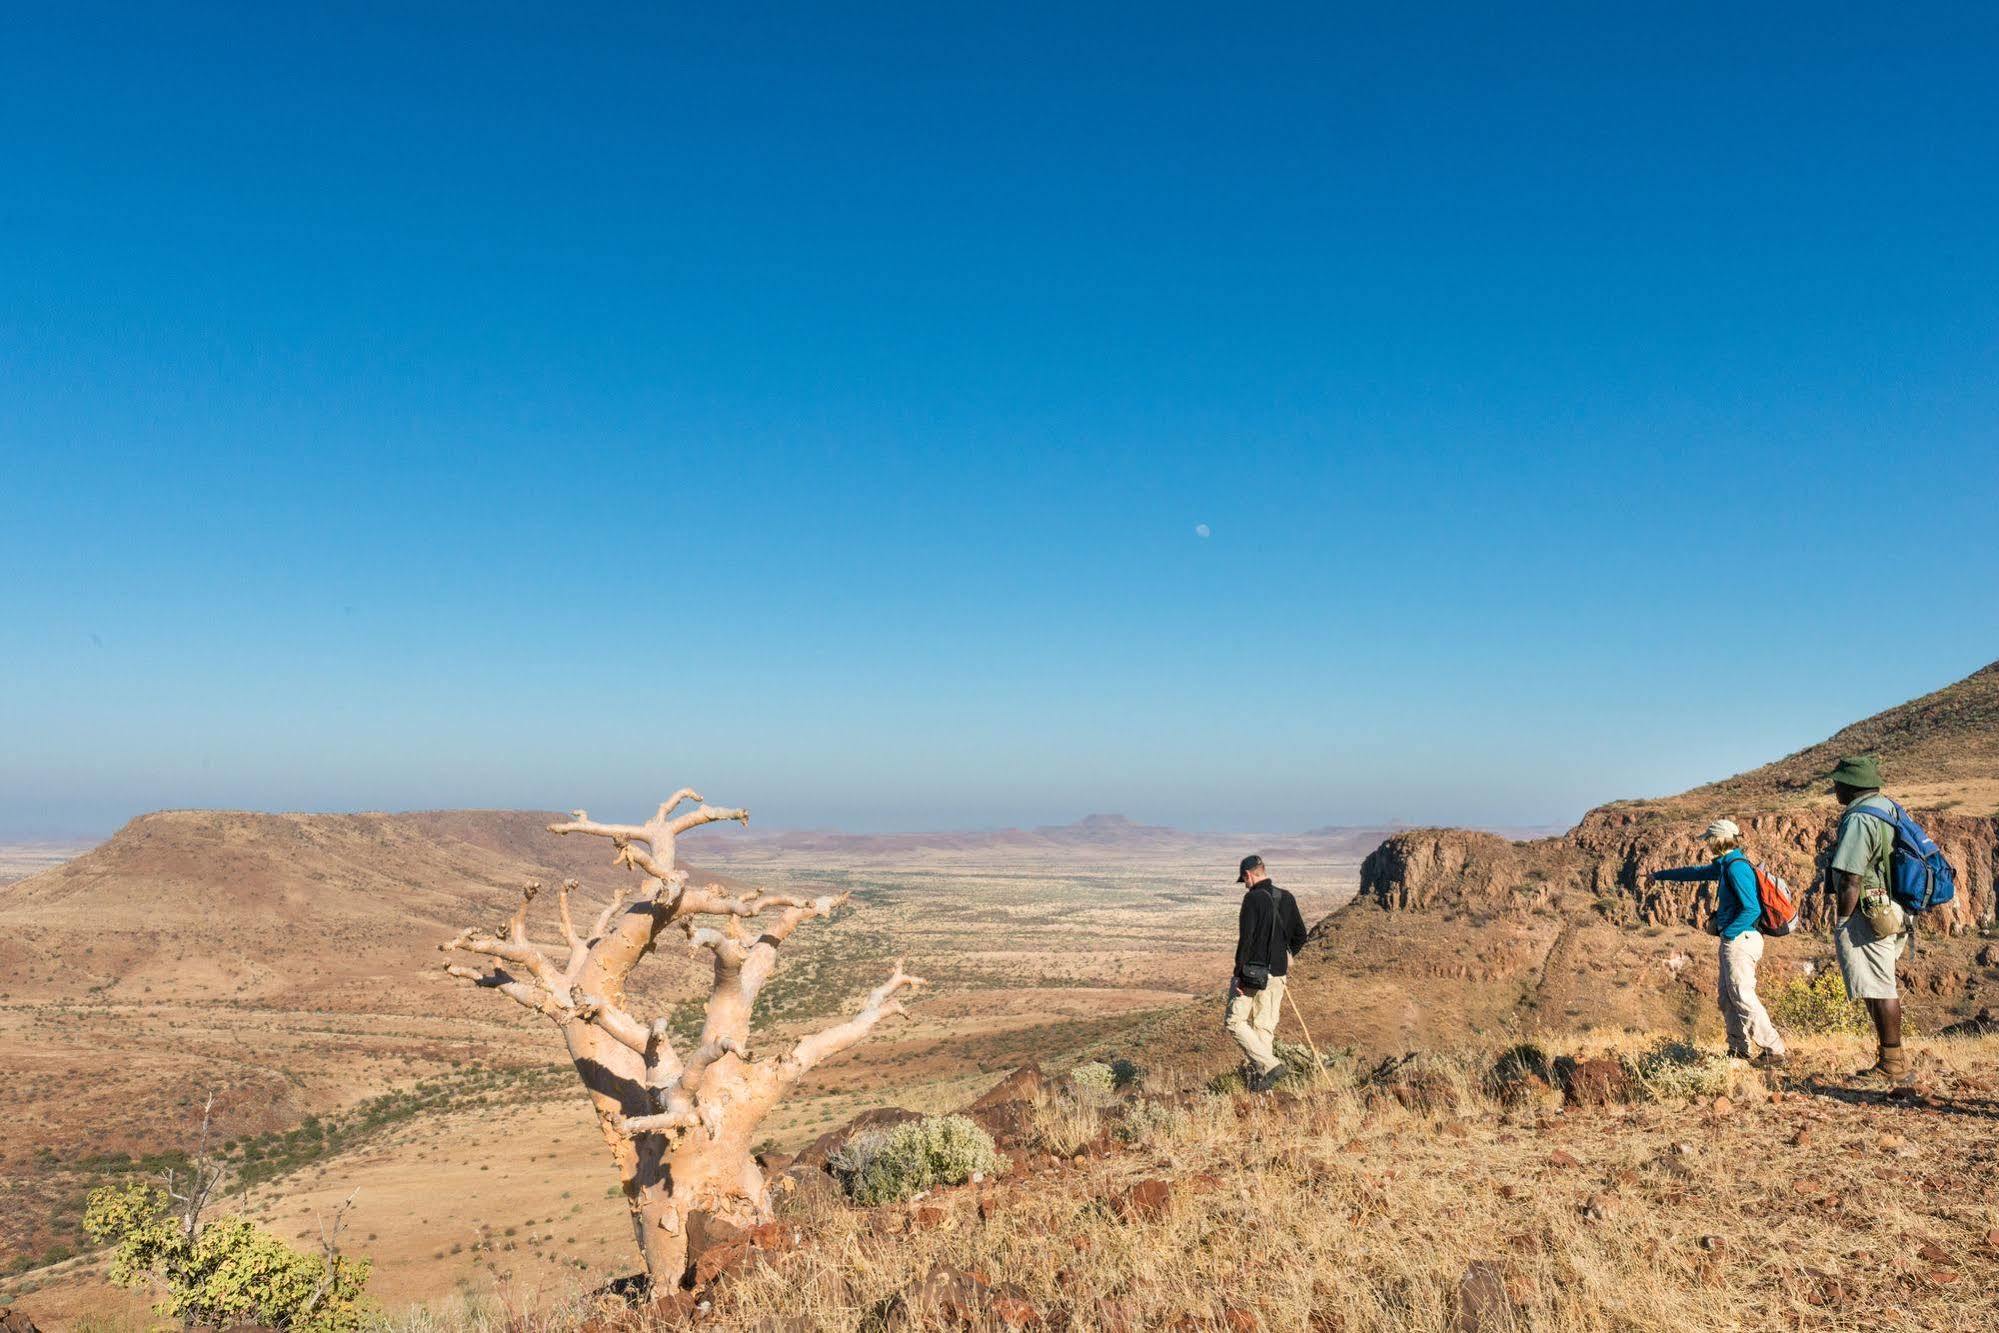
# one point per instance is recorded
(1255, 931)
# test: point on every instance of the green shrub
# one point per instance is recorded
(1143, 1122)
(1093, 1081)
(1125, 1074)
(1817, 1006)
(894, 1162)
(232, 1272)
(1674, 1071)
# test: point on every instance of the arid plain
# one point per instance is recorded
(287, 964)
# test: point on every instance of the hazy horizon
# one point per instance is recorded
(954, 419)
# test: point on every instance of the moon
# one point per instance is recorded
(1200, 530)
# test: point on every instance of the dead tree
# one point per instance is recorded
(679, 1124)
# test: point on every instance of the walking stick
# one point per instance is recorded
(1317, 1064)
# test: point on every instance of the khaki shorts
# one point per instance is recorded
(1867, 960)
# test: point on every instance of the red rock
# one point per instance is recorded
(16, 1321)
(1145, 1200)
(1600, 1207)
(829, 1143)
(1562, 1159)
(929, 1218)
(1722, 1106)
(1238, 1320)
(1932, 1253)
(989, 1208)
(1484, 1305)
(1022, 1085)
(1597, 1083)
(1010, 1310)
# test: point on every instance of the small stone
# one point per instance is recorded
(929, 1218)
(1600, 1207)
(1713, 1244)
(1561, 1158)
(1723, 1106)
(1145, 1200)
(1238, 1320)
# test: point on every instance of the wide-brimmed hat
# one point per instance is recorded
(1858, 770)
(1723, 830)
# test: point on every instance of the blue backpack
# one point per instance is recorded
(1919, 877)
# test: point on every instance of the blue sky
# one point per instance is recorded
(502, 407)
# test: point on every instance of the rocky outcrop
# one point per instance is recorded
(1603, 861)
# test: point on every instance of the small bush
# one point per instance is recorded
(232, 1272)
(1227, 1083)
(1144, 1122)
(888, 1164)
(1093, 1081)
(1673, 1071)
(1125, 1074)
(1817, 1006)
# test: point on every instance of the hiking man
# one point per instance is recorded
(1858, 872)
(1268, 931)
(1738, 907)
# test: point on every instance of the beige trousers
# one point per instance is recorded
(1252, 1021)
(1741, 1010)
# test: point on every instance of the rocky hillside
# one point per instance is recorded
(320, 911)
(1458, 932)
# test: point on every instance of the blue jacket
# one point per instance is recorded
(1737, 905)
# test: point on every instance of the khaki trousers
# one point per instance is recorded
(1741, 1010)
(1252, 1021)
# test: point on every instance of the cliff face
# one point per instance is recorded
(1603, 862)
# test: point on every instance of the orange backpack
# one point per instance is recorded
(1780, 911)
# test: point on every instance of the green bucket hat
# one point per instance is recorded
(1858, 770)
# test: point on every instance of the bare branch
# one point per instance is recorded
(329, 1244)
(707, 814)
(665, 1122)
(579, 821)
(879, 1005)
(628, 1031)
(672, 803)
(728, 952)
(710, 1051)
(529, 993)
(568, 921)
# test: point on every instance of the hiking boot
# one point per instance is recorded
(1771, 1060)
(1891, 1066)
(1269, 1079)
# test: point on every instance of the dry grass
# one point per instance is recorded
(1345, 1210)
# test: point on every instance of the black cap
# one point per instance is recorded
(1249, 863)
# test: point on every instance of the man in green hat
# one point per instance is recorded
(1856, 875)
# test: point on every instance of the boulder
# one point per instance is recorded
(1599, 1082)
(16, 1321)
(1022, 1085)
(832, 1140)
(714, 1247)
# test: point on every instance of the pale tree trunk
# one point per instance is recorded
(679, 1127)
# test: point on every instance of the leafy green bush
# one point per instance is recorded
(1125, 1074)
(1817, 1006)
(1674, 1071)
(894, 1162)
(233, 1271)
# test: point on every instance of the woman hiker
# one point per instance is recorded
(1737, 908)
